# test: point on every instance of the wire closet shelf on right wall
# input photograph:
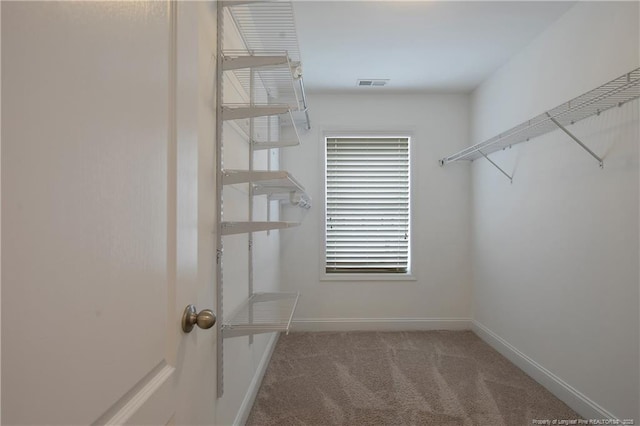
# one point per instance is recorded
(616, 92)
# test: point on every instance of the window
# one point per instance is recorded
(367, 205)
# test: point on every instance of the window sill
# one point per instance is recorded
(367, 277)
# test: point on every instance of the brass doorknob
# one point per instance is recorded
(203, 319)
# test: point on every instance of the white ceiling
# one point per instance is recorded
(418, 45)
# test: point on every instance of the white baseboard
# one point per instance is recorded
(579, 402)
(254, 386)
(380, 324)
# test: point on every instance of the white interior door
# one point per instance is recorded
(99, 217)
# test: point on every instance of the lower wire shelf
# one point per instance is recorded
(262, 313)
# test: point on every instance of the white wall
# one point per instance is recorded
(441, 225)
(556, 253)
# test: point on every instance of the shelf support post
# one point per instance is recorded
(219, 177)
(496, 166)
(578, 141)
(250, 236)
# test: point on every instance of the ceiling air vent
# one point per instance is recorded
(372, 82)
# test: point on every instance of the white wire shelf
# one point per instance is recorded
(268, 27)
(277, 185)
(262, 313)
(271, 76)
(231, 228)
(269, 131)
(614, 93)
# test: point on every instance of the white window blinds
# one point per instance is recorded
(367, 205)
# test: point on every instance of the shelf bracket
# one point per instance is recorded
(496, 166)
(231, 3)
(252, 62)
(238, 113)
(586, 148)
(304, 102)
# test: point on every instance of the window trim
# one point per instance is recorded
(378, 277)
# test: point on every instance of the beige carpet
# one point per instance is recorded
(397, 378)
